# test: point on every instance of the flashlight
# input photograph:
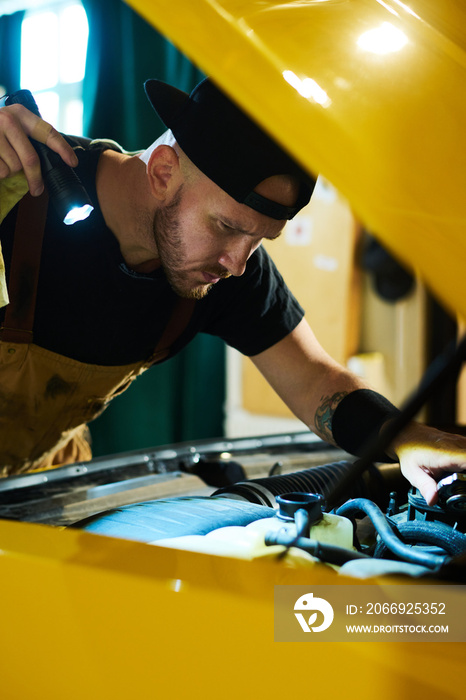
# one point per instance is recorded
(66, 191)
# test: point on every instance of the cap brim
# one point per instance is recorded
(166, 100)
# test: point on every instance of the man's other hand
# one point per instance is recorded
(17, 153)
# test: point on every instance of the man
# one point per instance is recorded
(172, 249)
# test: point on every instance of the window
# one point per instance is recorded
(53, 56)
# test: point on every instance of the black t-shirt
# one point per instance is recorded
(91, 307)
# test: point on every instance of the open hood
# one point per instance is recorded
(369, 93)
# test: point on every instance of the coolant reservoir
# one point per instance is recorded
(240, 543)
(248, 542)
(331, 529)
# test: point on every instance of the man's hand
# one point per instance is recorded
(427, 454)
(16, 151)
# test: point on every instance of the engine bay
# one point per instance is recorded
(290, 497)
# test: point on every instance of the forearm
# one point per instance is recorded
(337, 405)
(307, 379)
(328, 398)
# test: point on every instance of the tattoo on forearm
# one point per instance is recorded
(324, 415)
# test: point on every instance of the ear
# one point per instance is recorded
(163, 172)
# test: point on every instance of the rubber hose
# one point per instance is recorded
(322, 479)
(421, 532)
(387, 535)
(329, 553)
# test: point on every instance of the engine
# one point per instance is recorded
(267, 497)
(298, 519)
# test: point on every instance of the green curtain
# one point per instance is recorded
(124, 51)
(10, 51)
(181, 399)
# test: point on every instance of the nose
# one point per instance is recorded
(235, 258)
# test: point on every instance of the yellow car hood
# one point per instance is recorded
(369, 93)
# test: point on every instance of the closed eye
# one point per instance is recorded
(231, 228)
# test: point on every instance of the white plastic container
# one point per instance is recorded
(248, 542)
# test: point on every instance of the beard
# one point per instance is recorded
(172, 251)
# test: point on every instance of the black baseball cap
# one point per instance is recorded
(226, 145)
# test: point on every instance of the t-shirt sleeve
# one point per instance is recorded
(257, 309)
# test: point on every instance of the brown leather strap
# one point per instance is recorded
(24, 270)
(181, 315)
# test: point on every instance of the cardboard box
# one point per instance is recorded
(316, 256)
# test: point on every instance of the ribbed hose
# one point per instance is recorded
(438, 534)
(323, 480)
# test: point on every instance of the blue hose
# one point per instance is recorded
(385, 530)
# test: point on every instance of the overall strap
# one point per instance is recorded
(181, 315)
(24, 275)
(24, 269)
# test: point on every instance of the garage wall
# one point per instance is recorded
(320, 257)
